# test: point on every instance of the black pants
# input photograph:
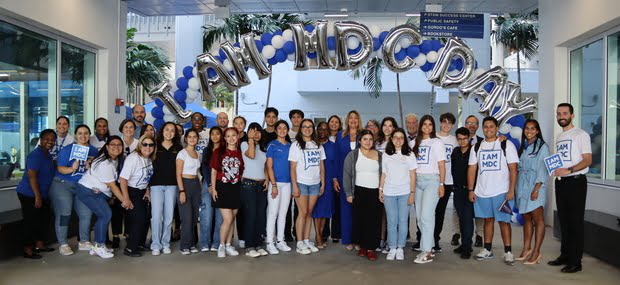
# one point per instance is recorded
(366, 217)
(570, 199)
(291, 220)
(135, 219)
(188, 212)
(465, 211)
(254, 205)
(35, 220)
(118, 217)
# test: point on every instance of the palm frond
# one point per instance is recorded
(519, 33)
(372, 80)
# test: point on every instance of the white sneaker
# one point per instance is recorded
(221, 251)
(262, 252)
(155, 252)
(252, 253)
(84, 245)
(391, 254)
(185, 252)
(102, 251)
(230, 250)
(484, 254)
(271, 249)
(282, 246)
(214, 248)
(193, 249)
(65, 249)
(400, 254)
(167, 250)
(423, 257)
(385, 250)
(204, 249)
(241, 244)
(509, 258)
(311, 246)
(302, 248)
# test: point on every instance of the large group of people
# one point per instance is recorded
(268, 186)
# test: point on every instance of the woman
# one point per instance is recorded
(306, 157)
(32, 192)
(239, 124)
(324, 207)
(388, 124)
(164, 188)
(187, 165)
(397, 191)
(279, 198)
(373, 126)
(148, 129)
(253, 195)
(180, 130)
(63, 138)
(102, 133)
(431, 174)
(361, 175)
(96, 187)
(63, 190)
(347, 141)
(209, 238)
(532, 189)
(335, 125)
(127, 129)
(134, 179)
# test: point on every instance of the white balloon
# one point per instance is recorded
(149, 117)
(189, 100)
(432, 56)
(375, 31)
(192, 94)
(420, 60)
(330, 29)
(257, 38)
(193, 83)
(269, 52)
(440, 51)
(277, 41)
(170, 118)
(228, 65)
(332, 53)
(287, 35)
(505, 128)
(516, 132)
(195, 71)
(166, 110)
(479, 71)
(405, 42)
(397, 48)
(291, 57)
(352, 42)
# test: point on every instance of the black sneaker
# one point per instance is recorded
(131, 253)
(466, 255)
(116, 242)
(478, 241)
(458, 250)
(436, 249)
(336, 240)
(416, 247)
(455, 239)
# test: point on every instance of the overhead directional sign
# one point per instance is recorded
(446, 25)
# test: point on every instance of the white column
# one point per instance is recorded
(188, 41)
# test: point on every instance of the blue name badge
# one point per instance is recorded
(79, 152)
(553, 162)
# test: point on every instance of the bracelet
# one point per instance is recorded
(470, 190)
(440, 183)
(181, 191)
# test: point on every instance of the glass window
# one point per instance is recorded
(77, 84)
(27, 95)
(613, 116)
(586, 90)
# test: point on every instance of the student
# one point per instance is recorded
(464, 208)
(431, 175)
(472, 123)
(270, 119)
(63, 192)
(210, 218)
(102, 133)
(306, 157)
(187, 165)
(361, 175)
(493, 161)
(295, 116)
(279, 195)
(239, 124)
(32, 192)
(97, 186)
(388, 125)
(292, 214)
(397, 190)
(571, 186)
(325, 204)
(63, 137)
(134, 179)
(198, 124)
(226, 172)
(446, 122)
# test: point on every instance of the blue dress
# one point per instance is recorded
(343, 147)
(324, 207)
(531, 171)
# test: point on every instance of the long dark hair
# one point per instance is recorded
(143, 130)
(104, 155)
(207, 153)
(539, 138)
(390, 149)
(176, 139)
(362, 134)
(261, 143)
(381, 137)
(339, 122)
(300, 137)
(287, 138)
(418, 138)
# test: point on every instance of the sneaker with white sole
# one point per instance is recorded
(84, 245)
(302, 248)
(204, 249)
(221, 251)
(423, 257)
(155, 252)
(252, 253)
(310, 245)
(102, 251)
(262, 252)
(484, 254)
(185, 251)
(193, 249)
(271, 249)
(230, 250)
(391, 254)
(282, 246)
(509, 258)
(167, 250)
(65, 249)
(241, 244)
(400, 254)
(214, 248)
(385, 250)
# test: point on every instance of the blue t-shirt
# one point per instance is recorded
(42, 162)
(63, 160)
(281, 167)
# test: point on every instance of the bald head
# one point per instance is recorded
(222, 120)
(411, 123)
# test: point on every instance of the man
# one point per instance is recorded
(271, 117)
(573, 145)
(296, 116)
(459, 161)
(411, 123)
(198, 123)
(493, 161)
(472, 123)
(138, 113)
(222, 120)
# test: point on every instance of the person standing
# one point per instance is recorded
(222, 120)
(459, 161)
(128, 131)
(102, 133)
(295, 116)
(138, 114)
(270, 119)
(571, 186)
(63, 137)
(411, 124)
(472, 123)
(446, 122)
(187, 165)
(325, 205)
(210, 218)
(332, 226)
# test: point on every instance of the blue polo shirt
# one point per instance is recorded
(63, 160)
(281, 167)
(42, 162)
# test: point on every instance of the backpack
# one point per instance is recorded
(479, 142)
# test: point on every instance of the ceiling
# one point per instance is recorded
(354, 7)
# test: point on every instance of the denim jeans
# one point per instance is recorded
(397, 212)
(209, 235)
(163, 199)
(98, 204)
(426, 198)
(63, 198)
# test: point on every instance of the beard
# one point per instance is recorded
(564, 122)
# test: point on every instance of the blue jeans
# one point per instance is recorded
(163, 199)
(426, 198)
(397, 212)
(62, 195)
(209, 235)
(309, 190)
(98, 204)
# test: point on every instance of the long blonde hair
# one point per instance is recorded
(346, 130)
(138, 149)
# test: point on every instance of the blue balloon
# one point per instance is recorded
(435, 45)
(376, 44)
(354, 51)
(180, 96)
(259, 45)
(218, 58)
(280, 55)
(158, 123)
(458, 63)
(237, 45)
(383, 35)
(289, 47)
(426, 47)
(211, 72)
(277, 33)
(451, 67)
(266, 39)
(187, 72)
(272, 61)
(476, 64)
(331, 43)
(488, 87)
(183, 105)
(312, 55)
(187, 125)
(159, 103)
(309, 28)
(182, 83)
(520, 219)
(401, 55)
(426, 67)
(518, 121)
(413, 51)
(222, 54)
(157, 112)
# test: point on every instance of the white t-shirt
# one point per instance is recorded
(366, 172)
(137, 170)
(292, 135)
(450, 143)
(94, 141)
(396, 168)
(128, 149)
(253, 168)
(381, 146)
(308, 162)
(60, 143)
(570, 145)
(190, 164)
(493, 173)
(101, 173)
(431, 151)
(202, 142)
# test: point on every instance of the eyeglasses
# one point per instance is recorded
(116, 145)
(148, 144)
(306, 127)
(471, 123)
(398, 138)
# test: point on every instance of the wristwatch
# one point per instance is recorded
(570, 169)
